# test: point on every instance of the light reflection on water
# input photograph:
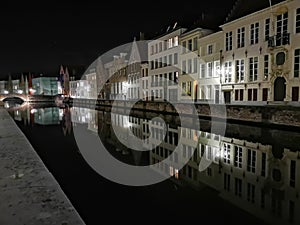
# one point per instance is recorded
(256, 169)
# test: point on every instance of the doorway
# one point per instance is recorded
(295, 93)
(279, 89)
(227, 96)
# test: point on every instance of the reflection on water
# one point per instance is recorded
(256, 169)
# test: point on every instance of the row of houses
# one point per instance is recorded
(30, 84)
(251, 59)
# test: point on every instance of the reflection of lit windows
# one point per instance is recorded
(238, 156)
(176, 173)
(208, 153)
(226, 153)
(251, 161)
(228, 72)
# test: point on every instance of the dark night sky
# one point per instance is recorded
(39, 36)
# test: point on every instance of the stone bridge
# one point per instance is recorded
(25, 98)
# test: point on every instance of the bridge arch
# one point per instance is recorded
(19, 96)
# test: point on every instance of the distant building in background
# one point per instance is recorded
(3, 87)
(45, 86)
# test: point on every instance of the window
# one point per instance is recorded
(184, 67)
(209, 49)
(183, 46)
(297, 63)
(253, 68)
(298, 20)
(170, 43)
(238, 156)
(217, 69)
(280, 58)
(254, 28)
(209, 69)
(175, 58)
(266, 67)
(226, 153)
(239, 70)
(251, 160)
(239, 95)
(170, 60)
(195, 65)
(190, 45)
(293, 173)
(189, 66)
(228, 42)
(252, 94)
(195, 43)
(228, 72)
(175, 41)
(267, 29)
(160, 46)
(241, 37)
(238, 187)
(282, 24)
(202, 70)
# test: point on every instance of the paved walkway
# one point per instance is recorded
(29, 194)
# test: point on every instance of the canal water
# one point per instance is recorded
(253, 174)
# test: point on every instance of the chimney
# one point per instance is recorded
(142, 36)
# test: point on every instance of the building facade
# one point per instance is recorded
(261, 56)
(163, 56)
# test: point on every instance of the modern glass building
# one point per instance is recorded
(45, 86)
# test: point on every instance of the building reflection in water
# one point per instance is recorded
(249, 174)
(244, 173)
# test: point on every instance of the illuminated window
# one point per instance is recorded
(176, 41)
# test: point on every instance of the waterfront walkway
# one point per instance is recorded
(29, 194)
